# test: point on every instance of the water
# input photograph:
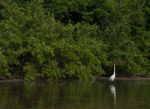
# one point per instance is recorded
(129, 94)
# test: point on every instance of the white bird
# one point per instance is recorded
(113, 76)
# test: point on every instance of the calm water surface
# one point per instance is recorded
(129, 94)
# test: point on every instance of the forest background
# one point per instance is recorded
(58, 39)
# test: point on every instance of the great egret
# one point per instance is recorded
(113, 76)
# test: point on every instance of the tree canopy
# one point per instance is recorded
(53, 39)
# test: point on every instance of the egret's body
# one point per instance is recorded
(113, 76)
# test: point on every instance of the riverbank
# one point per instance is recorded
(97, 78)
(125, 78)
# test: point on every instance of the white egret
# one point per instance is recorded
(113, 76)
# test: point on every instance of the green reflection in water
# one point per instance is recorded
(75, 95)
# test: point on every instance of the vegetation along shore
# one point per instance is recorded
(60, 39)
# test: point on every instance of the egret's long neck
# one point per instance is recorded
(114, 69)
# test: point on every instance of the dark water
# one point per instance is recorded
(129, 94)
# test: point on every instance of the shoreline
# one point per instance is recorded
(125, 78)
(95, 78)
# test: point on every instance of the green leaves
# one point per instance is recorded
(3, 65)
(73, 39)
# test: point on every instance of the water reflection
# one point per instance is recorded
(113, 92)
(75, 95)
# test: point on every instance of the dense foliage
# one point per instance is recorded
(74, 38)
